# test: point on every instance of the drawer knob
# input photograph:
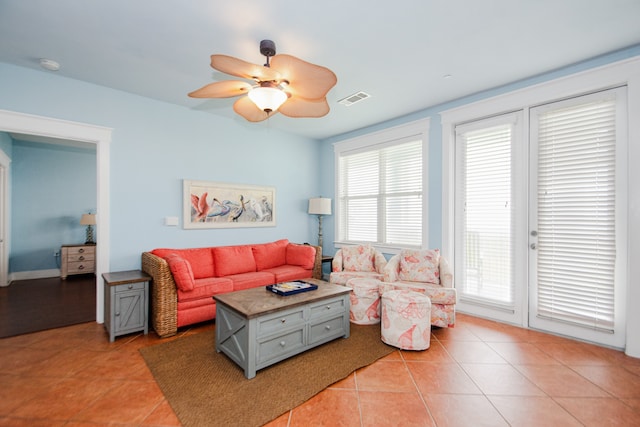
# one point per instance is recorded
(283, 320)
(81, 258)
(81, 267)
(81, 250)
(282, 343)
(328, 327)
(117, 313)
(328, 307)
(130, 286)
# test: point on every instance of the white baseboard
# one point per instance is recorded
(36, 274)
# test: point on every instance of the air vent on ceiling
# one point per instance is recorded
(352, 99)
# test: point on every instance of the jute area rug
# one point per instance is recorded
(206, 388)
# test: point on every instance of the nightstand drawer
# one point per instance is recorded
(80, 257)
(129, 287)
(80, 267)
(81, 250)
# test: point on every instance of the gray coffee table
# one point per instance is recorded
(256, 328)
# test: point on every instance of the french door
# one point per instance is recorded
(490, 228)
(577, 217)
(539, 230)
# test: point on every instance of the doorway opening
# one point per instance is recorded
(45, 127)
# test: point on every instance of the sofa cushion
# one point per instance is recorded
(200, 259)
(181, 271)
(251, 280)
(285, 273)
(302, 255)
(206, 288)
(342, 277)
(269, 255)
(195, 312)
(420, 265)
(437, 294)
(233, 260)
(358, 258)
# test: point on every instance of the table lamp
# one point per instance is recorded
(89, 220)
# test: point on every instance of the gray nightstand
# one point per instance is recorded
(126, 302)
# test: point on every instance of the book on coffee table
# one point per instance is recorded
(290, 288)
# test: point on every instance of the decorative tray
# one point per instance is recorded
(290, 288)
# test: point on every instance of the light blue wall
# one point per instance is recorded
(435, 142)
(51, 187)
(156, 145)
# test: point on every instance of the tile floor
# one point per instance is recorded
(480, 373)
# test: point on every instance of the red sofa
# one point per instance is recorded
(185, 280)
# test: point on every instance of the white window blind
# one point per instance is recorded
(485, 211)
(380, 195)
(576, 213)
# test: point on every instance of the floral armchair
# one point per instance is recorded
(361, 261)
(427, 272)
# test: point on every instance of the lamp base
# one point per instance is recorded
(320, 242)
(89, 239)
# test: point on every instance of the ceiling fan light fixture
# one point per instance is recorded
(267, 98)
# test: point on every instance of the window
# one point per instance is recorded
(379, 188)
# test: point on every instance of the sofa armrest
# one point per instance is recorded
(336, 264)
(317, 264)
(380, 262)
(446, 274)
(392, 269)
(163, 295)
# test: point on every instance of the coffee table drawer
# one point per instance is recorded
(327, 330)
(280, 321)
(276, 347)
(327, 308)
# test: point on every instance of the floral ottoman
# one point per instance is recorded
(406, 320)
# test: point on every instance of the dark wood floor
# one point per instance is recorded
(35, 305)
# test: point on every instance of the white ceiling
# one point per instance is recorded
(397, 52)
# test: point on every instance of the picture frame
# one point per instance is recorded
(227, 205)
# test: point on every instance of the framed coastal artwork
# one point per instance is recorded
(225, 205)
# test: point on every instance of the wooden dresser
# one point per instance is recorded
(77, 259)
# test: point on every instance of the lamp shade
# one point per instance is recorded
(320, 206)
(88, 219)
(267, 99)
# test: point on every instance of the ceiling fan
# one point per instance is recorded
(293, 87)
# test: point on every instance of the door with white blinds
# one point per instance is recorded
(489, 207)
(577, 228)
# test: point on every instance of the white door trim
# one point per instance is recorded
(5, 168)
(11, 121)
